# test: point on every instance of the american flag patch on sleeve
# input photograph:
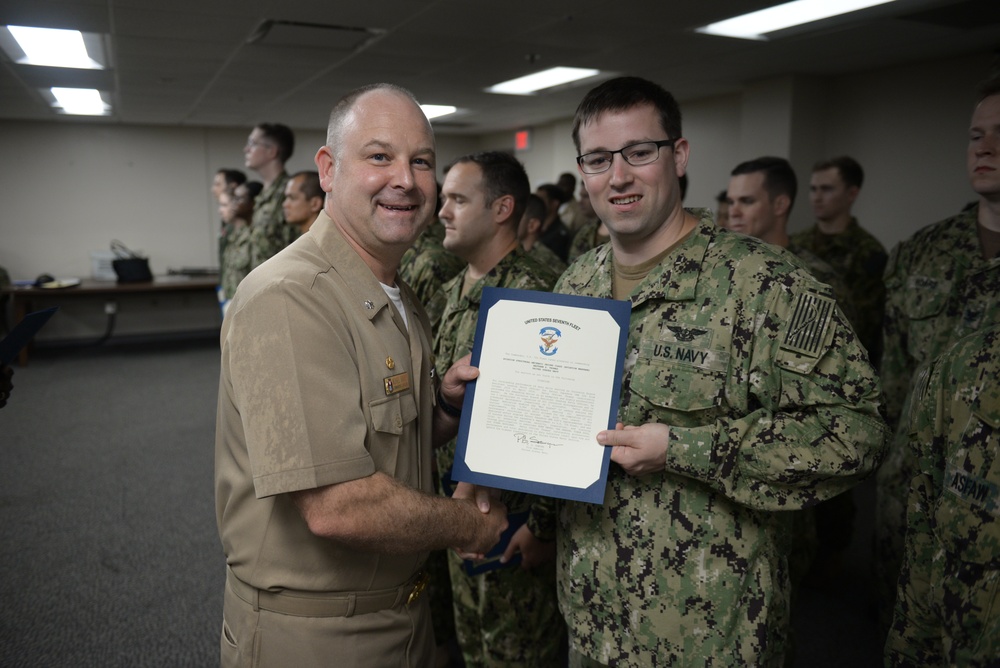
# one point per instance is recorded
(808, 324)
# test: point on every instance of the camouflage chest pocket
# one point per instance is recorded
(673, 392)
(925, 300)
(390, 418)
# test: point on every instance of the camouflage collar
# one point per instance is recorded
(676, 278)
(495, 277)
(959, 237)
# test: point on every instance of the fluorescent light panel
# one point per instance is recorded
(437, 110)
(80, 101)
(757, 24)
(53, 48)
(532, 83)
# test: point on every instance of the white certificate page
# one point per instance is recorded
(550, 377)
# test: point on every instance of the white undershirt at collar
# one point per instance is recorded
(392, 292)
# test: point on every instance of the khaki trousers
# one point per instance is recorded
(400, 637)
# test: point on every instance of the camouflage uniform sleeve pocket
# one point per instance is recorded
(808, 332)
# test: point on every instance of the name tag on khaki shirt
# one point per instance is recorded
(396, 384)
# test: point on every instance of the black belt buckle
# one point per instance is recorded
(418, 587)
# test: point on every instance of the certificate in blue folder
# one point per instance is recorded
(550, 372)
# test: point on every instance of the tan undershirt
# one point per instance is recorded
(468, 283)
(625, 279)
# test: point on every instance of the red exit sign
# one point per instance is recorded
(522, 140)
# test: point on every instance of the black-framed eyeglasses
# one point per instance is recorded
(642, 153)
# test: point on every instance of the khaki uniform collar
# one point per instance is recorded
(369, 297)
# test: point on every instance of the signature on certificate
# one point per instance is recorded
(524, 439)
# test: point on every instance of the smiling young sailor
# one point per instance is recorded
(746, 393)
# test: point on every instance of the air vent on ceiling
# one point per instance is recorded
(273, 32)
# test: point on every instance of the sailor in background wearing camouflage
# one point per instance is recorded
(426, 266)
(722, 210)
(304, 199)
(569, 211)
(528, 231)
(555, 234)
(947, 609)
(238, 214)
(592, 232)
(508, 616)
(225, 181)
(942, 284)
(268, 148)
(850, 249)
(746, 393)
(761, 194)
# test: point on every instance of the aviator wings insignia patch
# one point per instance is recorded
(685, 334)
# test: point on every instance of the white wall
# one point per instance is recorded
(908, 127)
(712, 128)
(68, 189)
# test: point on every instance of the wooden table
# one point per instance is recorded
(22, 297)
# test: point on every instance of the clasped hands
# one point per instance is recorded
(639, 450)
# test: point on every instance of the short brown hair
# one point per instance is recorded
(849, 169)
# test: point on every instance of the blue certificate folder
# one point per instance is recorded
(619, 311)
(23, 332)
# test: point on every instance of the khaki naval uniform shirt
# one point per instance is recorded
(321, 384)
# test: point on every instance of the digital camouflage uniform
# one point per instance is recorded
(426, 266)
(557, 237)
(508, 616)
(269, 232)
(225, 233)
(585, 239)
(939, 289)
(824, 272)
(860, 259)
(772, 406)
(948, 606)
(236, 262)
(546, 257)
(826, 528)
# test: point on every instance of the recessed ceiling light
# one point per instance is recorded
(80, 101)
(756, 25)
(436, 110)
(532, 83)
(52, 48)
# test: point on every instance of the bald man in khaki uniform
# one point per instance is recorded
(328, 407)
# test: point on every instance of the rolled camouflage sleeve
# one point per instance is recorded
(812, 429)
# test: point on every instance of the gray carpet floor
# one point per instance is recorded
(109, 554)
